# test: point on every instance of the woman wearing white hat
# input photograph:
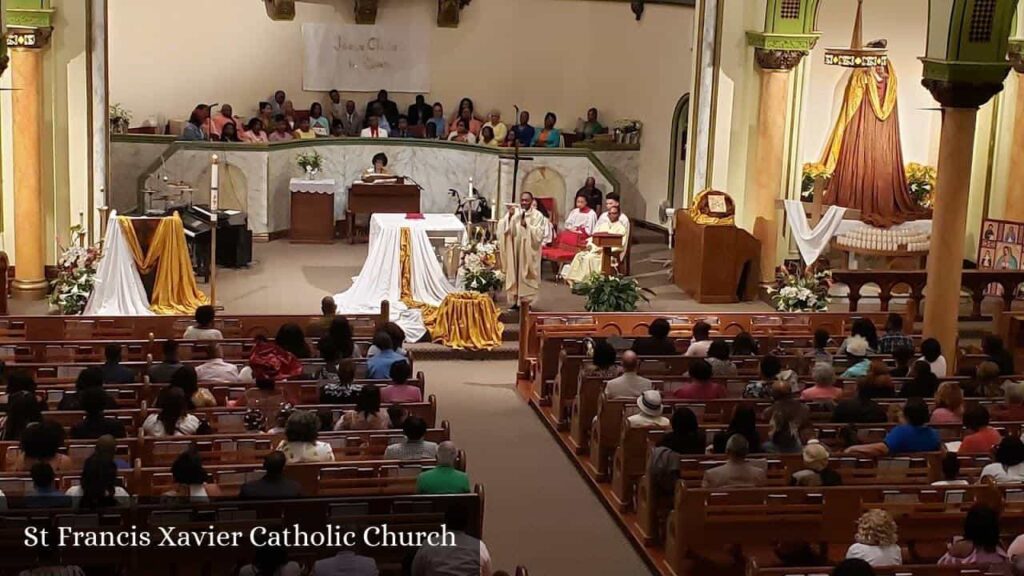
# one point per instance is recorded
(650, 412)
(816, 471)
(857, 350)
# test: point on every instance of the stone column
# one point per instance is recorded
(29, 252)
(775, 67)
(960, 104)
(1015, 180)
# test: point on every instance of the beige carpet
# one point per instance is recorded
(539, 511)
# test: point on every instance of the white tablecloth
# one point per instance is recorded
(312, 186)
(118, 290)
(380, 278)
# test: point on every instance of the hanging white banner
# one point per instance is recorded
(356, 58)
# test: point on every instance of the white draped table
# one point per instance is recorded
(381, 276)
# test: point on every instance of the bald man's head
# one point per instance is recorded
(781, 389)
(328, 306)
(630, 361)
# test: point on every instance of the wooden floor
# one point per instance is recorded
(627, 521)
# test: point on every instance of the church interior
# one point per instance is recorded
(699, 287)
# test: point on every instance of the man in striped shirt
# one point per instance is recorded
(414, 447)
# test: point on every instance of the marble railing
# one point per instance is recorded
(254, 177)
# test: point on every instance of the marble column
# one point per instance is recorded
(775, 66)
(1015, 181)
(960, 104)
(29, 252)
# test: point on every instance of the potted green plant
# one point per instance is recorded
(611, 293)
(120, 119)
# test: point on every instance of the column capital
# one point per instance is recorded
(30, 38)
(953, 94)
(780, 51)
(781, 60)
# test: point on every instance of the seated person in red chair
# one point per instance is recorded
(579, 225)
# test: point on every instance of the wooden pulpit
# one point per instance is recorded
(715, 264)
(607, 242)
(381, 198)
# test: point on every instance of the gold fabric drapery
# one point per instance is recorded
(174, 290)
(864, 155)
(464, 321)
(468, 321)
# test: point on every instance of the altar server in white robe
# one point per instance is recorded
(588, 261)
(521, 235)
(582, 219)
(612, 199)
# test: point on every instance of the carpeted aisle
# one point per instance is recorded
(539, 511)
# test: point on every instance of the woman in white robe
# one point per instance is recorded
(588, 261)
(582, 219)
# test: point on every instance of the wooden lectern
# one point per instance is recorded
(391, 198)
(607, 242)
(715, 264)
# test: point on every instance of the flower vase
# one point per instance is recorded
(311, 173)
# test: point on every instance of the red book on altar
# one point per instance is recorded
(414, 216)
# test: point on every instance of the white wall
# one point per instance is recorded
(562, 56)
(905, 25)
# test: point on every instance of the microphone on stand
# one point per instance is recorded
(415, 183)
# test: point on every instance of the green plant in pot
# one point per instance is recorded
(611, 293)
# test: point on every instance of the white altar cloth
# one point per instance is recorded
(380, 278)
(118, 290)
(326, 186)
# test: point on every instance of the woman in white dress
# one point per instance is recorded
(588, 261)
(582, 219)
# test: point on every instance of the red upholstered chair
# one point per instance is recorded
(564, 248)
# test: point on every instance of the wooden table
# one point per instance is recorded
(312, 207)
(384, 198)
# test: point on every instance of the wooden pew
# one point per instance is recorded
(703, 523)
(753, 569)
(16, 328)
(534, 325)
(917, 469)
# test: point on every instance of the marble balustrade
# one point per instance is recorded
(255, 177)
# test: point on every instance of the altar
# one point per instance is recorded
(403, 268)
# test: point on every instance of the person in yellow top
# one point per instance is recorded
(499, 127)
(303, 132)
(588, 261)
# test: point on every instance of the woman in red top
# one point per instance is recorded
(700, 386)
(980, 437)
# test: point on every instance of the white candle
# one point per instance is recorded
(214, 183)
(471, 186)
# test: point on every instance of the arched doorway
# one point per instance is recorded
(678, 153)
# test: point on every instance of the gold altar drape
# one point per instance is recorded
(468, 321)
(464, 321)
(861, 83)
(174, 290)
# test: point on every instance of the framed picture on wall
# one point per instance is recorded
(1001, 248)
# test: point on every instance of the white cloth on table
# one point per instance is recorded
(812, 242)
(118, 290)
(326, 186)
(381, 276)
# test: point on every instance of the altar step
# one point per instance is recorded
(508, 350)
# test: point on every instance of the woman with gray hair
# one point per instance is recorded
(824, 388)
(300, 443)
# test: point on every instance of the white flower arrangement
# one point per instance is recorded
(803, 292)
(310, 162)
(479, 268)
(76, 274)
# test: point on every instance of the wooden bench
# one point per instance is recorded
(753, 569)
(534, 325)
(18, 328)
(704, 523)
